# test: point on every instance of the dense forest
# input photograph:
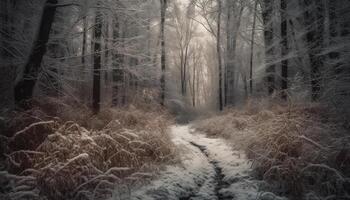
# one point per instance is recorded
(175, 99)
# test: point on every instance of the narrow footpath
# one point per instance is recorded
(211, 170)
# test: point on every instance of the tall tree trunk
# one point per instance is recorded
(267, 8)
(4, 17)
(218, 49)
(194, 86)
(83, 51)
(333, 33)
(245, 84)
(182, 72)
(284, 43)
(83, 57)
(162, 36)
(185, 70)
(197, 89)
(8, 70)
(25, 87)
(108, 94)
(233, 25)
(122, 63)
(314, 37)
(96, 91)
(228, 36)
(252, 50)
(118, 72)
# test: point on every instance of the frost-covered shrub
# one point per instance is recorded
(300, 150)
(75, 162)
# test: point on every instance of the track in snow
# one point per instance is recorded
(210, 170)
(219, 176)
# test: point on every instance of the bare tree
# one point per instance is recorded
(219, 54)
(252, 48)
(267, 14)
(284, 43)
(96, 91)
(233, 22)
(314, 23)
(163, 4)
(24, 88)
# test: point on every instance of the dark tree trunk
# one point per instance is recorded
(83, 58)
(268, 37)
(118, 72)
(252, 50)
(24, 88)
(333, 33)
(4, 26)
(229, 76)
(218, 49)
(8, 70)
(194, 86)
(96, 91)
(83, 51)
(233, 25)
(184, 92)
(182, 72)
(314, 37)
(245, 84)
(122, 59)
(162, 36)
(284, 64)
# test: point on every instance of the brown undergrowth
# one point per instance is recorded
(76, 155)
(301, 151)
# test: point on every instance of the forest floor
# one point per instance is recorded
(78, 155)
(210, 169)
(299, 152)
(259, 152)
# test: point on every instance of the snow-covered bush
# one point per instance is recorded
(300, 150)
(73, 161)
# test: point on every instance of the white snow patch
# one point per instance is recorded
(183, 180)
(197, 177)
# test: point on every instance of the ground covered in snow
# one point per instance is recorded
(210, 169)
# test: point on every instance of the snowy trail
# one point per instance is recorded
(210, 170)
(230, 168)
(219, 176)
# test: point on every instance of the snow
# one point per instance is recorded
(180, 181)
(210, 169)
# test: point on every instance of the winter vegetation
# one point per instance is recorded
(174, 99)
(300, 150)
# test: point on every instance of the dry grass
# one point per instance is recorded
(81, 156)
(302, 151)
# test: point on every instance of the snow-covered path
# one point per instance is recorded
(210, 170)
